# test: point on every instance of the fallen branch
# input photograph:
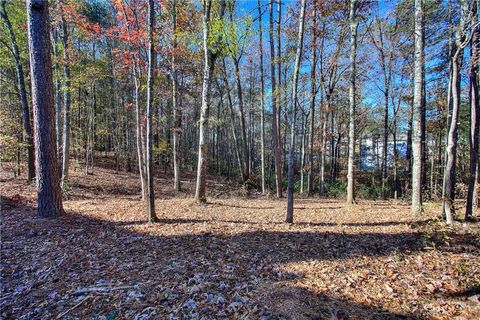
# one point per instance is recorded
(100, 289)
(74, 307)
(147, 310)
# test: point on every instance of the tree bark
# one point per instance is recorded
(262, 99)
(474, 113)
(152, 217)
(303, 153)
(66, 103)
(409, 134)
(313, 92)
(232, 122)
(452, 138)
(298, 57)
(246, 158)
(48, 176)
(209, 66)
(177, 119)
(58, 95)
(417, 166)
(351, 131)
(281, 96)
(275, 113)
(141, 160)
(27, 128)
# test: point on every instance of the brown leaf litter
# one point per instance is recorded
(231, 258)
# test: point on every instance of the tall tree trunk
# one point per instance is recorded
(48, 176)
(323, 147)
(66, 102)
(351, 131)
(27, 128)
(385, 141)
(298, 57)
(243, 126)
(417, 165)
(177, 119)
(302, 153)
(152, 217)
(281, 94)
(396, 184)
(232, 121)
(451, 48)
(409, 134)
(275, 112)
(395, 160)
(452, 138)
(262, 99)
(332, 146)
(313, 92)
(58, 94)
(474, 112)
(251, 121)
(139, 139)
(209, 65)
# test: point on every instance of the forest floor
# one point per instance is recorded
(231, 258)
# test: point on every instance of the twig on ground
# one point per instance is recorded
(74, 307)
(100, 289)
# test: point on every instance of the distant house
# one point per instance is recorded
(371, 151)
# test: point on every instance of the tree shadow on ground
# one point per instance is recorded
(239, 206)
(186, 273)
(305, 224)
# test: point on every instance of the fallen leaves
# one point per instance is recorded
(231, 258)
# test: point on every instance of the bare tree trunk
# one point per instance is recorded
(302, 154)
(152, 217)
(396, 184)
(281, 95)
(116, 122)
(246, 158)
(452, 138)
(474, 112)
(323, 147)
(476, 189)
(332, 146)
(449, 92)
(262, 99)
(209, 65)
(385, 146)
(351, 131)
(141, 160)
(251, 121)
(449, 177)
(298, 57)
(66, 103)
(58, 95)
(409, 135)
(313, 92)
(48, 176)
(16, 171)
(27, 128)
(275, 111)
(177, 119)
(234, 131)
(417, 111)
(395, 160)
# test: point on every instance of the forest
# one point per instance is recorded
(239, 159)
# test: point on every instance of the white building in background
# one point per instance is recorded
(371, 151)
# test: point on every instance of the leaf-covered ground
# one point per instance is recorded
(232, 258)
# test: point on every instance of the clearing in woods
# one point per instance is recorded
(231, 258)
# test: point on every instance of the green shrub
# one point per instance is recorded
(335, 189)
